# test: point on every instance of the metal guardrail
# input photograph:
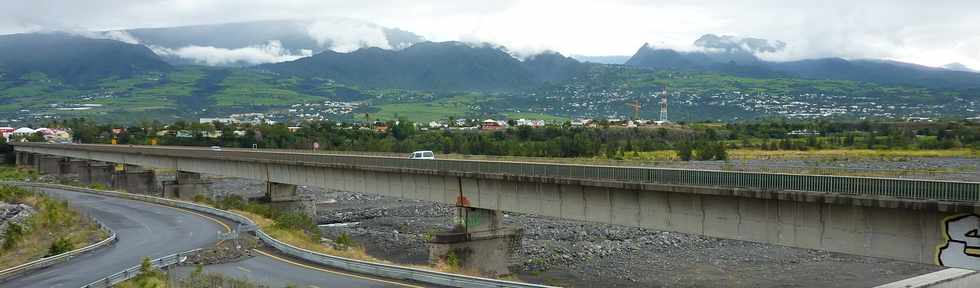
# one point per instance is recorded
(159, 263)
(848, 185)
(370, 268)
(63, 257)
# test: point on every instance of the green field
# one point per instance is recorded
(457, 106)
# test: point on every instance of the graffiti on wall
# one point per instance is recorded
(961, 248)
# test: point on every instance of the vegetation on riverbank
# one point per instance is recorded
(53, 229)
(604, 140)
(299, 230)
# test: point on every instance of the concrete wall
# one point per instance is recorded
(947, 278)
(904, 229)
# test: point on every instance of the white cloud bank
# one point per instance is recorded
(269, 52)
(919, 31)
(345, 35)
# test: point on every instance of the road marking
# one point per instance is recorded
(227, 228)
(332, 271)
(243, 269)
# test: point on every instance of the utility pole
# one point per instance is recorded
(663, 105)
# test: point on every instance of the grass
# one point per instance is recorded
(150, 277)
(303, 240)
(457, 106)
(749, 154)
(8, 173)
(53, 228)
(246, 88)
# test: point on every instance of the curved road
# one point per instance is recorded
(274, 271)
(150, 230)
(143, 230)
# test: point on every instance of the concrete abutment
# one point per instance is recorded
(185, 186)
(284, 197)
(135, 179)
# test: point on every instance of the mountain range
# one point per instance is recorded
(74, 59)
(304, 63)
(744, 63)
(433, 66)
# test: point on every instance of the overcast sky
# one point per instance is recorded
(926, 32)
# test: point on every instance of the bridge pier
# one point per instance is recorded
(135, 179)
(479, 242)
(22, 159)
(51, 165)
(97, 172)
(75, 166)
(185, 186)
(284, 197)
(35, 162)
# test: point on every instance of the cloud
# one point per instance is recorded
(270, 52)
(919, 31)
(345, 35)
(115, 35)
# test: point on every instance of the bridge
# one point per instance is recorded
(924, 221)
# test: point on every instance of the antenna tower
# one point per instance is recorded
(663, 105)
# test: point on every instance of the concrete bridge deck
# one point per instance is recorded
(914, 220)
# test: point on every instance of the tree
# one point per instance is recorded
(684, 151)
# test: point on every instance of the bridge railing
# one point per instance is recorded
(867, 186)
(850, 185)
(164, 262)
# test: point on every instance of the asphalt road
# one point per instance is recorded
(275, 272)
(143, 229)
(149, 230)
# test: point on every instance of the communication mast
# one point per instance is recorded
(663, 105)
(636, 108)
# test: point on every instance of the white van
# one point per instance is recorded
(422, 155)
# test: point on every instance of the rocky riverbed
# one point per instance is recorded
(13, 214)
(583, 254)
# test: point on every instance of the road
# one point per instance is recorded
(143, 230)
(150, 230)
(274, 271)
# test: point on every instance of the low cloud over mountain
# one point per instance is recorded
(259, 42)
(729, 43)
(270, 52)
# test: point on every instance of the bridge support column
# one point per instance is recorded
(135, 179)
(98, 173)
(75, 166)
(479, 242)
(185, 186)
(51, 165)
(22, 158)
(284, 197)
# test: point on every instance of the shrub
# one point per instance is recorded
(452, 260)
(344, 241)
(15, 232)
(11, 194)
(200, 198)
(59, 246)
